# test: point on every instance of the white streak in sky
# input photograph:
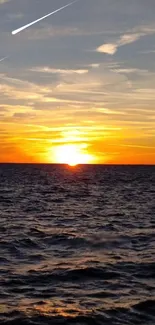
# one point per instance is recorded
(3, 58)
(34, 22)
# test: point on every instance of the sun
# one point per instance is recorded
(71, 155)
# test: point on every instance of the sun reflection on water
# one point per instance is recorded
(52, 309)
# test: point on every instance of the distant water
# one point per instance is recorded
(77, 245)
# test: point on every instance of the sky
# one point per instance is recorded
(78, 84)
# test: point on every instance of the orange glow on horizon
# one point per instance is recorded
(73, 145)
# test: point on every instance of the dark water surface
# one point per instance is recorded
(77, 245)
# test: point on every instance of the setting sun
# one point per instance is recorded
(72, 155)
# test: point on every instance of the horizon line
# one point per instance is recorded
(85, 164)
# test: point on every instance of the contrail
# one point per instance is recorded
(36, 21)
(3, 58)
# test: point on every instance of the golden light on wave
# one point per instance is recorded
(72, 154)
(52, 308)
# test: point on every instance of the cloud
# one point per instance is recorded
(133, 35)
(3, 108)
(131, 70)
(24, 115)
(111, 48)
(94, 65)
(125, 70)
(59, 71)
(129, 38)
(108, 48)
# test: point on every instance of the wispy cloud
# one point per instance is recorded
(3, 58)
(131, 36)
(111, 48)
(59, 71)
(94, 65)
(131, 70)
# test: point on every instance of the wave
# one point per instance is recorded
(140, 313)
(77, 275)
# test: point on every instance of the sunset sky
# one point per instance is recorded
(79, 84)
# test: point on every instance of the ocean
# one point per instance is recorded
(77, 244)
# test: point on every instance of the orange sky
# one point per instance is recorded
(64, 144)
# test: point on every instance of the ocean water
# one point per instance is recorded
(77, 245)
